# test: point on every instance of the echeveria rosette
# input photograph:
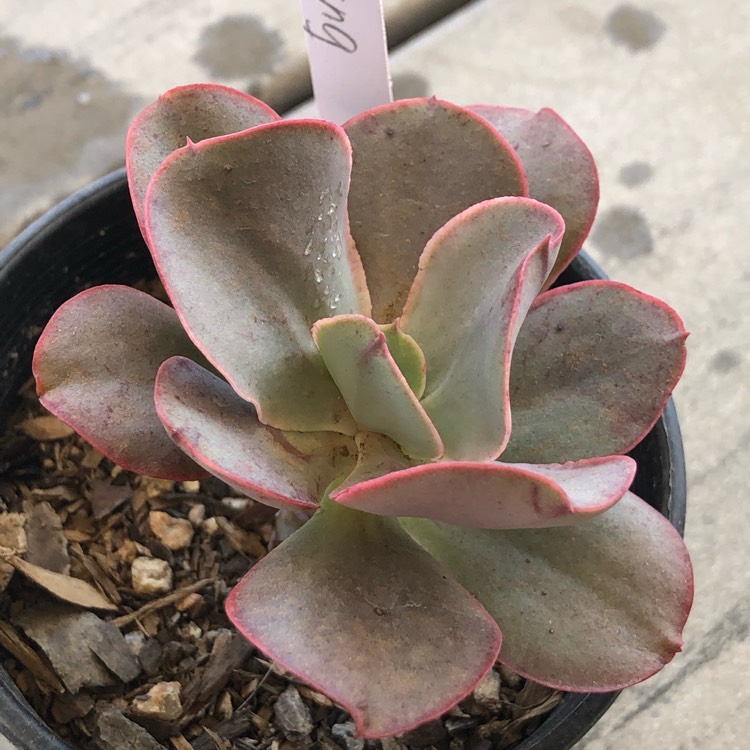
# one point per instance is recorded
(352, 300)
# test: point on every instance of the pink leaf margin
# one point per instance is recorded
(669, 311)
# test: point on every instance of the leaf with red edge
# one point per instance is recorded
(249, 234)
(353, 606)
(490, 495)
(221, 432)
(476, 279)
(588, 608)
(559, 167)
(379, 398)
(418, 163)
(95, 366)
(193, 112)
(593, 367)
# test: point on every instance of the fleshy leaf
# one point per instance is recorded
(221, 432)
(587, 608)
(353, 606)
(194, 112)
(95, 366)
(418, 163)
(377, 455)
(559, 167)
(593, 367)
(476, 279)
(355, 352)
(249, 236)
(407, 355)
(492, 495)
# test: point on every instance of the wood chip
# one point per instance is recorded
(114, 652)
(47, 545)
(45, 428)
(69, 589)
(60, 492)
(242, 541)
(6, 573)
(12, 641)
(64, 635)
(115, 732)
(106, 497)
(99, 576)
(180, 743)
(163, 601)
(91, 458)
(228, 652)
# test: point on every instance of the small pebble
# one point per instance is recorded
(174, 533)
(151, 576)
(197, 514)
(291, 714)
(161, 702)
(150, 657)
(13, 534)
(344, 734)
(191, 601)
(487, 692)
(156, 487)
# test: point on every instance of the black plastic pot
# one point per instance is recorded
(93, 238)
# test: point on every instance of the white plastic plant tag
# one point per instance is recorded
(348, 56)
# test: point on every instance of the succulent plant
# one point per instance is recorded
(357, 313)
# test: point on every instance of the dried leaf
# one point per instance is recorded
(69, 589)
(45, 428)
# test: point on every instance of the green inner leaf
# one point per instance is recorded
(379, 398)
(407, 355)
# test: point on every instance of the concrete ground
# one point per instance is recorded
(658, 89)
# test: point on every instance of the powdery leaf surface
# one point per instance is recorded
(493, 495)
(418, 163)
(194, 112)
(221, 432)
(267, 209)
(476, 279)
(591, 608)
(559, 167)
(95, 366)
(593, 367)
(407, 624)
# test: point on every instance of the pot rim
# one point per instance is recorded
(565, 725)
